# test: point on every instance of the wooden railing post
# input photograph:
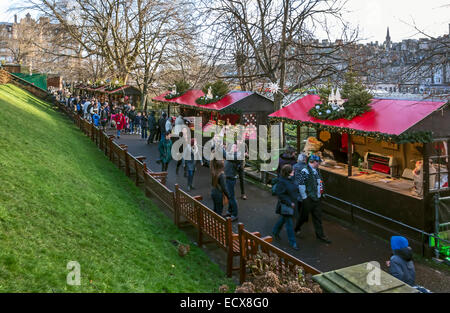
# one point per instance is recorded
(242, 253)
(199, 212)
(229, 235)
(176, 211)
(127, 163)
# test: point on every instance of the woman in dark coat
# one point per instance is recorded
(218, 184)
(287, 193)
(165, 151)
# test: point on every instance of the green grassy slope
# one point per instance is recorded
(61, 200)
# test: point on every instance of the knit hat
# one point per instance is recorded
(399, 242)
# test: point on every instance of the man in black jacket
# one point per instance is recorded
(132, 118)
(231, 174)
(162, 125)
(311, 189)
(152, 126)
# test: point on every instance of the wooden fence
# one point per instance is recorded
(250, 245)
(188, 210)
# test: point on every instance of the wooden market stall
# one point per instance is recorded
(382, 167)
(106, 93)
(237, 107)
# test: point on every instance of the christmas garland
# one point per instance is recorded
(113, 88)
(325, 112)
(205, 100)
(407, 137)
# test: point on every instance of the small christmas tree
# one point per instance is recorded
(219, 90)
(357, 100)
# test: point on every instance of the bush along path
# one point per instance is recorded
(62, 200)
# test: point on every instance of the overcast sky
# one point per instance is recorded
(372, 16)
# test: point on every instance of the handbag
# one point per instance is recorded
(286, 210)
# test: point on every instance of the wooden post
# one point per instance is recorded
(426, 170)
(349, 155)
(298, 138)
(199, 212)
(127, 163)
(242, 256)
(177, 206)
(229, 234)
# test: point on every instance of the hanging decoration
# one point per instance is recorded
(274, 88)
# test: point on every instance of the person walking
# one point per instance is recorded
(298, 167)
(168, 126)
(311, 189)
(120, 122)
(287, 193)
(104, 116)
(219, 191)
(181, 162)
(191, 157)
(144, 125)
(241, 168)
(131, 114)
(162, 125)
(165, 152)
(137, 124)
(152, 126)
(231, 174)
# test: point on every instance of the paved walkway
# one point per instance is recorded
(349, 246)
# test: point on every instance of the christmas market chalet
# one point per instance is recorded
(382, 168)
(237, 107)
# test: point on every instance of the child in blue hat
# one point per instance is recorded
(401, 264)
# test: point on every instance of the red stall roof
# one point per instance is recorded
(188, 99)
(388, 116)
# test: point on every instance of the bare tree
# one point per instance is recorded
(268, 37)
(110, 29)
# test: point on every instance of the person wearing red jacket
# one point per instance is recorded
(120, 122)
